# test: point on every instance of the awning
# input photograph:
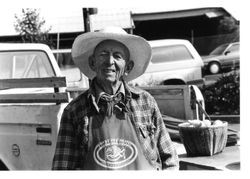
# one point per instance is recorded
(209, 12)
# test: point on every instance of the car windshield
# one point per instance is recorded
(219, 50)
(170, 53)
(67, 66)
(25, 64)
(234, 48)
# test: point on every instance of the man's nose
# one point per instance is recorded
(111, 60)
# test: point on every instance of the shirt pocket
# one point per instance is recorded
(143, 130)
(147, 130)
(148, 140)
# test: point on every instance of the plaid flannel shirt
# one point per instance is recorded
(72, 142)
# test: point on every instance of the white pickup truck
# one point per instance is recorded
(33, 95)
(32, 98)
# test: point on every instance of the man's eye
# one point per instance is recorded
(104, 54)
(117, 56)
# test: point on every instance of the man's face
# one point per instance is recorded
(110, 60)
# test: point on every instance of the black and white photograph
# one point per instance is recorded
(125, 86)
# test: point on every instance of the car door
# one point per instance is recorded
(231, 56)
(28, 130)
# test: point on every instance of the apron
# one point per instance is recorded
(114, 145)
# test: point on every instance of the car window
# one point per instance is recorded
(219, 50)
(25, 64)
(234, 48)
(67, 66)
(170, 53)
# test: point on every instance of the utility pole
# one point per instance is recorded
(192, 36)
(86, 12)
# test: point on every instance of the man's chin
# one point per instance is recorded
(112, 81)
(109, 80)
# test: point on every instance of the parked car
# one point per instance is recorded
(75, 79)
(225, 56)
(174, 62)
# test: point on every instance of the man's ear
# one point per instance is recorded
(92, 62)
(129, 66)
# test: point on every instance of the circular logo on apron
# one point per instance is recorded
(115, 153)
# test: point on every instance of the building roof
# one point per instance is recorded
(210, 12)
(71, 20)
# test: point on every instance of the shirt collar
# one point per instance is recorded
(99, 91)
(133, 91)
(127, 90)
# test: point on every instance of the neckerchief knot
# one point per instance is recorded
(109, 102)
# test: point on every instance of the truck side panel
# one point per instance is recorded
(29, 140)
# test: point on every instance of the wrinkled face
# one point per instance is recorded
(110, 61)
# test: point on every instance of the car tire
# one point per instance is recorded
(173, 82)
(214, 68)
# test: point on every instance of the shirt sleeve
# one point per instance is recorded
(166, 148)
(67, 153)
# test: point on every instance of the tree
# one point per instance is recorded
(228, 25)
(223, 97)
(30, 27)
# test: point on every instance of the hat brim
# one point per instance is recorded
(84, 45)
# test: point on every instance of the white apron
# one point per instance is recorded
(113, 145)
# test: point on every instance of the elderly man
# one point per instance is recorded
(113, 126)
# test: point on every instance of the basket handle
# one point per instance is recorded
(200, 106)
(195, 101)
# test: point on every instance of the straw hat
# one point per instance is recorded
(84, 45)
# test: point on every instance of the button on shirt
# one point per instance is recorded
(72, 142)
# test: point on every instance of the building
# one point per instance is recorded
(198, 25)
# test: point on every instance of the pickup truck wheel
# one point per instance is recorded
(173, 82)
(214, 68)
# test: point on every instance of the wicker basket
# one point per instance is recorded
(203, 141)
